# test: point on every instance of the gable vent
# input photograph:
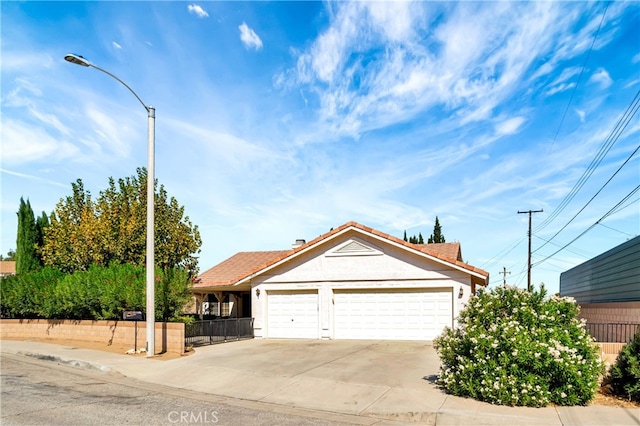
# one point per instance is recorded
(354, 246)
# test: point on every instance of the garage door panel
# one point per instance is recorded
(292, 314)
(396, 315)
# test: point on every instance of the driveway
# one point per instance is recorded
(348, 376)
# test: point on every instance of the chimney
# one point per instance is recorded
(298, 243)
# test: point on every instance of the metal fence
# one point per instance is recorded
(217, 331)
(613, 333)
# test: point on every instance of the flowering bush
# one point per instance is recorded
(513, 347)
(625, 373)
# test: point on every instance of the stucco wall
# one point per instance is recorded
(169, 336)
(383, 267)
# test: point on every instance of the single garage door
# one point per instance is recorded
(403, 314)
(292, 314)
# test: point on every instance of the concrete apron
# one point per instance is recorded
(373, 378)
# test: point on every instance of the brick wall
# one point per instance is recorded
(169, 336)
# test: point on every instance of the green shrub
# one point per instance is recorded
(99, 293)
(29, 295)
(624, 375)
(512, 347)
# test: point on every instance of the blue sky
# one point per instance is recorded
(282, 120)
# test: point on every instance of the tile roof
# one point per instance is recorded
(7, 267)
(450, 250)
(245, 264)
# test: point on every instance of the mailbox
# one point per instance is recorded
(132, 315)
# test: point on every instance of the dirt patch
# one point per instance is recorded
(605, 397)
(117, 349)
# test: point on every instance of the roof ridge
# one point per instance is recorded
(279, 255)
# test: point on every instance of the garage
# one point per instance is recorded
(292, 314)
(403, 314)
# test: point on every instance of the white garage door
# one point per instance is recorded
(392, 315)
(292, 314)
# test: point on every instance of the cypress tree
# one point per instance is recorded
(27, 259)
(42, 222)
(437, 236)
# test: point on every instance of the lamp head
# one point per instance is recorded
(77, 59)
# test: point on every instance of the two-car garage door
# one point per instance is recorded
(392, 315)
(403, 314)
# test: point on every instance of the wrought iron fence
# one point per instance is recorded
(613, 333)
(217, 331)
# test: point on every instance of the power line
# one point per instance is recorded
(617, 230)
(491, 261)
(607, 214)
(608, 143)
(592, 198)
(558, 245)
(575, 88)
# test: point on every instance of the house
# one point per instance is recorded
(353, 282)
(607, 287)
(7, 267)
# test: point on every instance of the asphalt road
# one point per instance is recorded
(37, 392)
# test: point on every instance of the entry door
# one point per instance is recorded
(402, 314)
(292, 314)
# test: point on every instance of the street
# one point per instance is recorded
(36, 392)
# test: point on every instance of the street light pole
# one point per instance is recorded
(150, 267)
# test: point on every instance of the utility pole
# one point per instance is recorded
(504, 272)
(529, 233)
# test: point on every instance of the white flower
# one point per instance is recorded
(563, 395)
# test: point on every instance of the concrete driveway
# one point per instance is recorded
(349, 376)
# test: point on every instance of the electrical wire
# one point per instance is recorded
(617, 230)
(592, 198)
(584, 64)
(609, 213)
(608, 143)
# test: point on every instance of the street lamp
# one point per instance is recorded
(151, 113)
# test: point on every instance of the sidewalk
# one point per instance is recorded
(209, 371)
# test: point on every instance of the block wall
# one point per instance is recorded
(169, 336)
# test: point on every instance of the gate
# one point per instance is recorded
(217, 331)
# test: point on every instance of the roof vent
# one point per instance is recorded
(298, 243)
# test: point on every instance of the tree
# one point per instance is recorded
(113, 228)
(414, 239)
(11, 255)
(437, 236)
(42, 222)
(27, 259)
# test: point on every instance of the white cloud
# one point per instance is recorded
(509, 127)
(24, 143)
(602, 78)
(560, 88)
(581, 114)
(636, 58)
(116, 45)
(465, 62)
(34, 178)
(249, 37)
(197, 10)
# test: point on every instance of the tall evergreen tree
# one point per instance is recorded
(405, 235)
(27, 259)
(437, 236)
(42, 222)
(420, 239)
